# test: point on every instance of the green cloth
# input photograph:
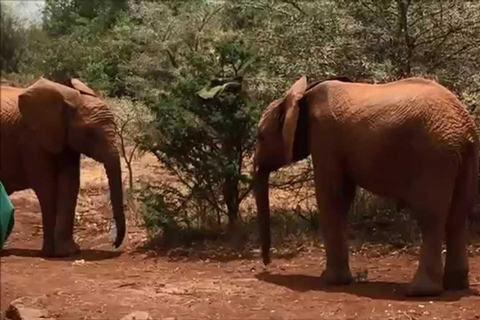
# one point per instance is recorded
(6, 216)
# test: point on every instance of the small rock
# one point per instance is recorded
(26, 308)
(138, 315)
(23, 313)
(78, 262)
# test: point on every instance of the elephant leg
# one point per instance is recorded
(430, 205)
(46, 196)
(456, 263)
(333, 202)
(68, 187)
(428, 277)
(41, 176)
(456, 270)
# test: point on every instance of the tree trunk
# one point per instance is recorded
(231, 196)
(130, 176)
(403, 34)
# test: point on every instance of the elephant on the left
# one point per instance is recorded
(43, 130)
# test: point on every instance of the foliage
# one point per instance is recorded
(165, 55)
(159, 212)
(89, 52)
(60, 17)
(12, 36)
(432, 38)
(132, 119)
(204, 138)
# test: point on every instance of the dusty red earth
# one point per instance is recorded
(101, 283)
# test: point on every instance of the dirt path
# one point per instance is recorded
(103, 284)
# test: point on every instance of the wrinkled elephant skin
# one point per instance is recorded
(44, 129)
(411, 140)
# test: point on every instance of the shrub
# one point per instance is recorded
(203, 138)
(132, 119)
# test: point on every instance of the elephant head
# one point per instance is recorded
(75, 117)
(282, 138)
(280, 141)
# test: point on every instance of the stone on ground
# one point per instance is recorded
(138, 315)
(20, 310)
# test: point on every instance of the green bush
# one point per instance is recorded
(12, 35)
(203, 138)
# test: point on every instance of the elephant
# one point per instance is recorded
(411, 140)
(44, 130)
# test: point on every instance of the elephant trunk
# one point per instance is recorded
(261, 190)
(114, 174)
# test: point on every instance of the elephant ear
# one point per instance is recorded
(290, 106)
(83, 88)
(42, 107)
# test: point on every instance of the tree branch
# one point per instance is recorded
(133, 152)
(443, 36)
(376, 14)
(431, 16)
(463, 49)
(245, 193)
(168, 31)
(295, 5)
(172, 59)
(203, 24)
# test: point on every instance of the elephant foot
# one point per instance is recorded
(336, 278)
(48, 249)
(66, 248)
(47, 252)
(423, 286)
(456, 280)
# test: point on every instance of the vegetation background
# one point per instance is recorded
(188, 80)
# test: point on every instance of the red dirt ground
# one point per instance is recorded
(103, 284)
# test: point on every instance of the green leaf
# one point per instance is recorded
(211, 92)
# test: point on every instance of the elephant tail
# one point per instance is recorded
(465, 200)
(475, 213)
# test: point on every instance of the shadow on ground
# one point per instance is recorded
(372, 289)
(217, 251)
(87, 254)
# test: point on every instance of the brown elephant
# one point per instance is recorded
(44, 129)
(411, 140)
